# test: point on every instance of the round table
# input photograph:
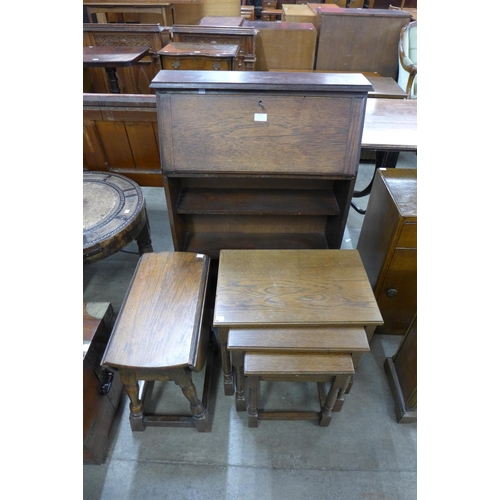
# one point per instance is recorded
(114, 214)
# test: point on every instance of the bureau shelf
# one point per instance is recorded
(258, 202)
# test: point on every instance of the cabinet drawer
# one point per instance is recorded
(269, 4)
(197, 63)
(408, 236)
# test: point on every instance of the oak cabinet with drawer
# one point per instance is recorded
(388, 247)
(221, 35)
(199, 56)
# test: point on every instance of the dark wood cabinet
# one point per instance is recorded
(133, 79)
(199, 56)
(388, 246)
(220, 35)
(258, 160)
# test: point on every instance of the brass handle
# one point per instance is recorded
(176, 64)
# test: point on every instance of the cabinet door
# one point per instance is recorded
(397, 297)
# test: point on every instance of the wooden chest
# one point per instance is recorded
(388, 246)
(258, 159)
(221, 35)
(199, 56)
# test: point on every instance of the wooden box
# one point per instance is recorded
(284, 45)
(388, 246)
(98, 409)
(258, 159)
(300, 13)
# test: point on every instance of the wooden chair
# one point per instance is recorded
(407, 77)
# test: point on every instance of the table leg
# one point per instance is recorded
(113, 81)
(182, 377)
(144, 238)
(129, 381)
(226, 362)
(326, 411)
(341, 381)
(253, 401)
(383, 159)
(239, 375)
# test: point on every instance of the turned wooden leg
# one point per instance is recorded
(144, 238)
(182, 378)
(253, 401)
(226, 362)
(326, 411)
(341, 381)
(112, 80)
(129, 381)
(239, 375)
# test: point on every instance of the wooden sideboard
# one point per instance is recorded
(388, 246)
(132, 80)
(258, 159)
(199, 56)
(237, 35)
(143, 12)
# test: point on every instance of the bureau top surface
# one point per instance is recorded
(402, 186)
(261, 80)
(293, 287)
(159, 323)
